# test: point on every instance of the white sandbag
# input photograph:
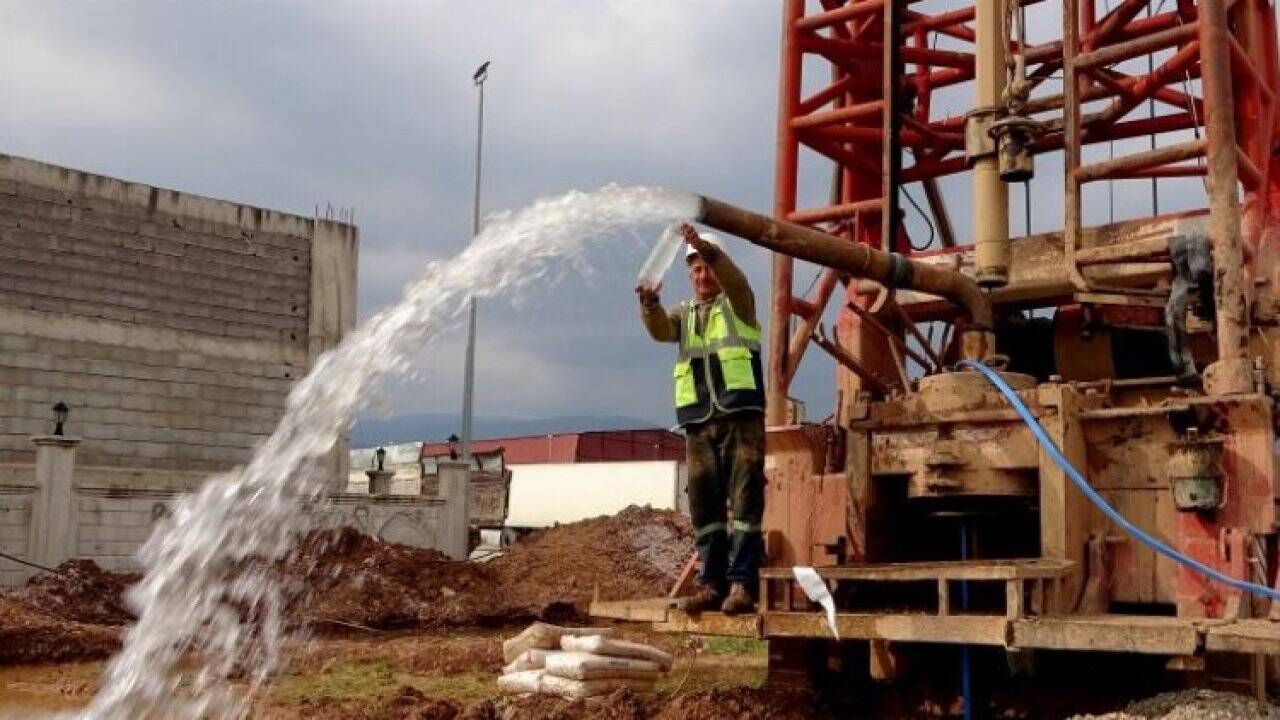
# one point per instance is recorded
(583, 689)
(538, 681)
(585, 666)
(545, 637)
(528, 681)
(534, 659)
(600, 645)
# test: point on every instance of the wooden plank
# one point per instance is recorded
(1261, 637)
(644, 610)
(711, 623)
(1014, 599)
(1109, 633)
(954, 629)
(951, 570)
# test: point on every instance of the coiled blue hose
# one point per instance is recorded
(1083, 486)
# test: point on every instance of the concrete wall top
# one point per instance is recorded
(163, 200)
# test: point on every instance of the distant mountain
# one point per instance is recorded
(434, 427)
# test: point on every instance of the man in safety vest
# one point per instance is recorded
(719, 399)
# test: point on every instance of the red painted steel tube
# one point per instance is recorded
(851, 113)
(1142, 161)
(784, 188)
(1112, 22)
(1167, 171)
(1137, 47)
(825, 95)
(937, 58)
(818, 301)
(1152, 85)
(842, 211)
(1248, 172)
(1232, 372)
(852, 11)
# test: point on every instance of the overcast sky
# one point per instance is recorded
(371, 105)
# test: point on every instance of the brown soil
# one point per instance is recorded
(720, 704)
(73, 614)
(80, 591)
(349, 578)
(30, 635)
(344, 580)
(415, 653)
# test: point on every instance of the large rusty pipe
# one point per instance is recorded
(861, 261)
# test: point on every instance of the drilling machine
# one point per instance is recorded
(1145, 351)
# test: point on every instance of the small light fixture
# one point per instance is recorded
(382, 457)
(60, 412)
(453, 447)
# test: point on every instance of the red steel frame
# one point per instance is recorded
(873, 106)
(868, 43)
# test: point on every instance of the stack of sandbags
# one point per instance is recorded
(578, 663)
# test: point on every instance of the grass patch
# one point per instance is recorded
(339, 681)
(466, 688)
(737, 646)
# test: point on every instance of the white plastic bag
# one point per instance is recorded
(600, 645)
(545, 637)
(533, 659)
(817, 591)
(585, 666)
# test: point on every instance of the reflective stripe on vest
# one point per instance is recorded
(733, 347)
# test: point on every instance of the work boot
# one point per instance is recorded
(704, 598)
(739, 601)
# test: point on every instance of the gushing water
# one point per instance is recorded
(210, 627)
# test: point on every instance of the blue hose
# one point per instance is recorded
(1083, 486)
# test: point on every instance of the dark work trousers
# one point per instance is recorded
(726, 496)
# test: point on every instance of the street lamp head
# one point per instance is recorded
(381, 453)
(482, 73)
(60, 412)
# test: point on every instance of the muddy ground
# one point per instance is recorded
(399, 633)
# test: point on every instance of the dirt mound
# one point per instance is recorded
(637, 553)
(344, 577)
(80, 591)
(30, 635)
(1192, 705)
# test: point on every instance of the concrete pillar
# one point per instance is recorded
(334, 249)
(455, 488)
(53, 509)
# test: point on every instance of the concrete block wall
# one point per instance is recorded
(112, 525)
(173, 325)
(15, 524)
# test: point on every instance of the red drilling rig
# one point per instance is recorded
(1146, 350)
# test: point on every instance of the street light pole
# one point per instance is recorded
(469, 381)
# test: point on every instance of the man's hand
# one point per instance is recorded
(705, 250)
(648, 294)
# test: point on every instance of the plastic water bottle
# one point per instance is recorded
(660, 258)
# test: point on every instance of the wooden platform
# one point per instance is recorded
(1031, 619)
(1032, 585)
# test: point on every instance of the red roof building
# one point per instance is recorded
(593, 446)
